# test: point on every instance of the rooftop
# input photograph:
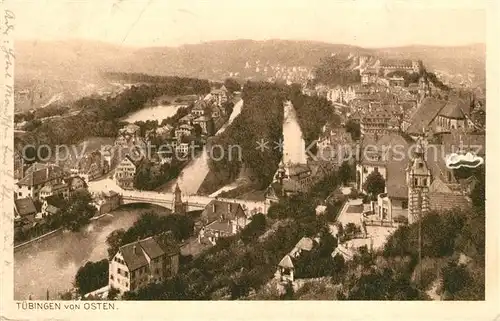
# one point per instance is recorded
(41, 173)
(134, 254)
(424, 114)
(25, 206)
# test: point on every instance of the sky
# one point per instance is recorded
(366, 23)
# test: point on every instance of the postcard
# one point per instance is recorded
(170, 159)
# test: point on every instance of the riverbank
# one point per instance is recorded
(41, 237)
(52, 262)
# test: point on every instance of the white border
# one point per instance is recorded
(289, 310)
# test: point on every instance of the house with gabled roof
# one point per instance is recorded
(286, 267)
(36, 177)
(145, 261)
(52, 205)
(221, 219)
(125, 172)
(24, 208)
(423, 116)
(220, 95)
(199, 108)
(388, 156)
(454, 115)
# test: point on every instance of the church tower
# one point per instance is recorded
(179, 207)
(418, 179)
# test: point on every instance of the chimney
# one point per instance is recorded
(135, 250)
(213, 207)
(229, 207)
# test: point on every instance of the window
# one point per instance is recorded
(20, 194)
(119, 271)
(424, 182)
(111, 277)
(126, 274)
(404, 205)
(415, 181)
(126, 284)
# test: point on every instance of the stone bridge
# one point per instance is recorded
(194, 202)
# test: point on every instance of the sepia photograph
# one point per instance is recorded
(199, 150)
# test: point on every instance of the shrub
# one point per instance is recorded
(354, 194)
(400, 219)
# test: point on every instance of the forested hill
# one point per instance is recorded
(262, 119)
(76, 65)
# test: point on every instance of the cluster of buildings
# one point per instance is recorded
(153, 259)
(40, 193)
(275, 72)
(42, 190)
(407, 132)
(206, 116)
(416, 176)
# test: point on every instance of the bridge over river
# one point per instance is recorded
(194, 202)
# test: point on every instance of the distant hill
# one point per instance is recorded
(74, 68)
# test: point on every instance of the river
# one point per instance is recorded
(293, 142)
(52, 262)
(159, 113)
(193, 175)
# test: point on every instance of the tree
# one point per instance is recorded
(113, 293)
(353, 128)
(142, 179)
(478, 194)
(254, 229)
(232, 85)
(350, 229)
(374, 184)
(455, 277)
(92, 276)
(345, 173)
(197, 130)
(114, 241)
(79, 210)
(289, 292)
